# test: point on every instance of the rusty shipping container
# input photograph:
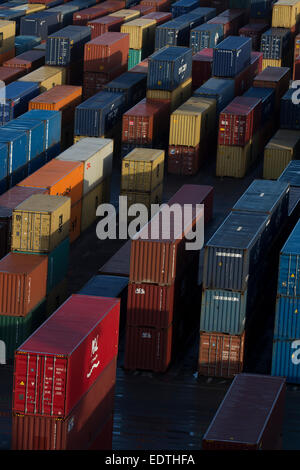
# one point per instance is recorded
(221, 355)
(106, 52)
(201, 67)
(79, 429)
(23, 281)
(163, 258)
(250, 416)
(106, 24)
(184, 160)
(59, 362)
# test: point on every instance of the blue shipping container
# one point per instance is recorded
(172, 33)
(289, 111)
(291, 174)
(98, 114)
(206, 36)
(231, 56)
(18, 95)
(222, 90)
(37, 163)
(183, 6)
(235, 251)
(168, 68)
(52, 124)
(25, 43)
(267, 96)
(3, 162)
(66, 13)
(67, 45)
(287, 318)
(131, 84)
(40, 24)
(17, 145)
(286, 359)
(35, 135)
(261, 8)
(289, 265)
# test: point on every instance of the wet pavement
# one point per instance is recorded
(169, 411)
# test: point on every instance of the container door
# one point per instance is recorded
(26, 383)
(53, 385)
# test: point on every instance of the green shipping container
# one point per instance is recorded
(15, 330)
(135, 57)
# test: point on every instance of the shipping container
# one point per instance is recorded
(18, 95)
(233, 254)
(25, 43)
(183, 6)
(159, 16)
(98, 114)
(126, 15)
(82, 17)
(59, 178)
(289, 271)
(46, 77)
(100, 194)
(172, 33)
(107, 23)
(17, 147)
(142, 67)
(66, 45)
(28, 61)
(220, 355)
(291, 174)
(94, 82)
(267, 96)
(52, 124)
(229, 25)
(231, 56)
(35, 136)
(276, 43)
(159, 5)
(251, 398)
(141, 33)
(244, 80)
(254, 31)
(286, 14)
(175, 98)
(119, 263)
(184, 160)
(25, 275)
(145, 198)
(261, 10)
(201, 67)
(283, 147)
(221, 90)
(285, 362)
(239, 121)
(289, 110)
(143, 9)
(40, 24)
(40, 223)
(66, 12)
(132, 85)
(205, 36)
(106, 52)
(274, 77)
(142, 170)
(76, 431)
(56, 297)
(71, 362)
(286, 317)
(9, 74)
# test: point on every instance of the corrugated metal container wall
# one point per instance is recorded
(66, 45)
(220, 90)
(132, 85)
(201, 67)
(267, 96)
(105, 24)
(159, 16)
(16, 142)
(254, 31)
(183, 6)
(287, 324)
(25, 275)
(29, 60)
(285, 359)
(290, 110)
(169, 67)
(142, 170)
(289, 268)
(126, 15)
(275, 43)
(35, 135)
(283, 147)
(231, 56)
(141, 33)
(291, 174)
(66, 12)
(75, 432)
(286, 14)
(274, 77)
(46, 77)
(82, 17)
(69, 371)
(106, 51)
(40, 24)
(206, 36)
(220, 355)
(175, 98)
(256, 398)
(119, 263)
(233, 253)
(18, 95)
(8, 75)
(52, 123)
(172, 33)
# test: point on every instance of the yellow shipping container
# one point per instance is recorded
(280, 150)
(99, 195)
(40, 223)
(128, 15)
(56, 297)
(192, 122)
(141, 32)
(7, 35)
(155, 197)
(234, 161)
(46, 76)
(271, 63)
(142, 170)
(30, 8)
(285, 14)
(176, 97)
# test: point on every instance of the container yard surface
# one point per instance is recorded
(146, 397)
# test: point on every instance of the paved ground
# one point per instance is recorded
(168, 411)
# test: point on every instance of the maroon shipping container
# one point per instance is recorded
(29, 60)
(10, 74)
(23, 281)
(159, 16)
(106, 52)
(82, 17)
(94, 82)
(104, 438)
(113, 5)
(145, 122)
(231, 23)
(239, 121)
(220, 355)
(239, 17)
(9, 201)
(143, 9)
(244, 80)
(183, 160)
(62, 359)
(254, 31)
(105, 24)
(148, 348)
(163, 258)
(119, 263)
(274, 77)
(79, 429)
(250, 416)
(201, 67)
(159, 5)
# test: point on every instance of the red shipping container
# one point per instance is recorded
(148, 348)
(104, 438)
(105, 24)
(239, 121)
(162, 258)
(254, 31)
(106, 52)
(159, 5)
(10, 74)
(238, 17)
(94, 82)
(244, 80)
(142, 67)
(29, 60)
(183, 160)
(250, 416)
(274, 77)
(61, 360)
(201, 67)
(79, 429)
(82, 17)
(159, 16)
(23, 281)
(113, 5)
(144, 9)
(145, 122)
(220, 355)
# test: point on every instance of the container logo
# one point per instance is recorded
(95, 360)
(296, 354)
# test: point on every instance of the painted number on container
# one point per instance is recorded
(296, 354)
(140, 291)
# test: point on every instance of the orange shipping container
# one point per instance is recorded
(60, 178)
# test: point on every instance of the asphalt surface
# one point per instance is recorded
(169, 411)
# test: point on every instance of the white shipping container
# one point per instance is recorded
(97, 156)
